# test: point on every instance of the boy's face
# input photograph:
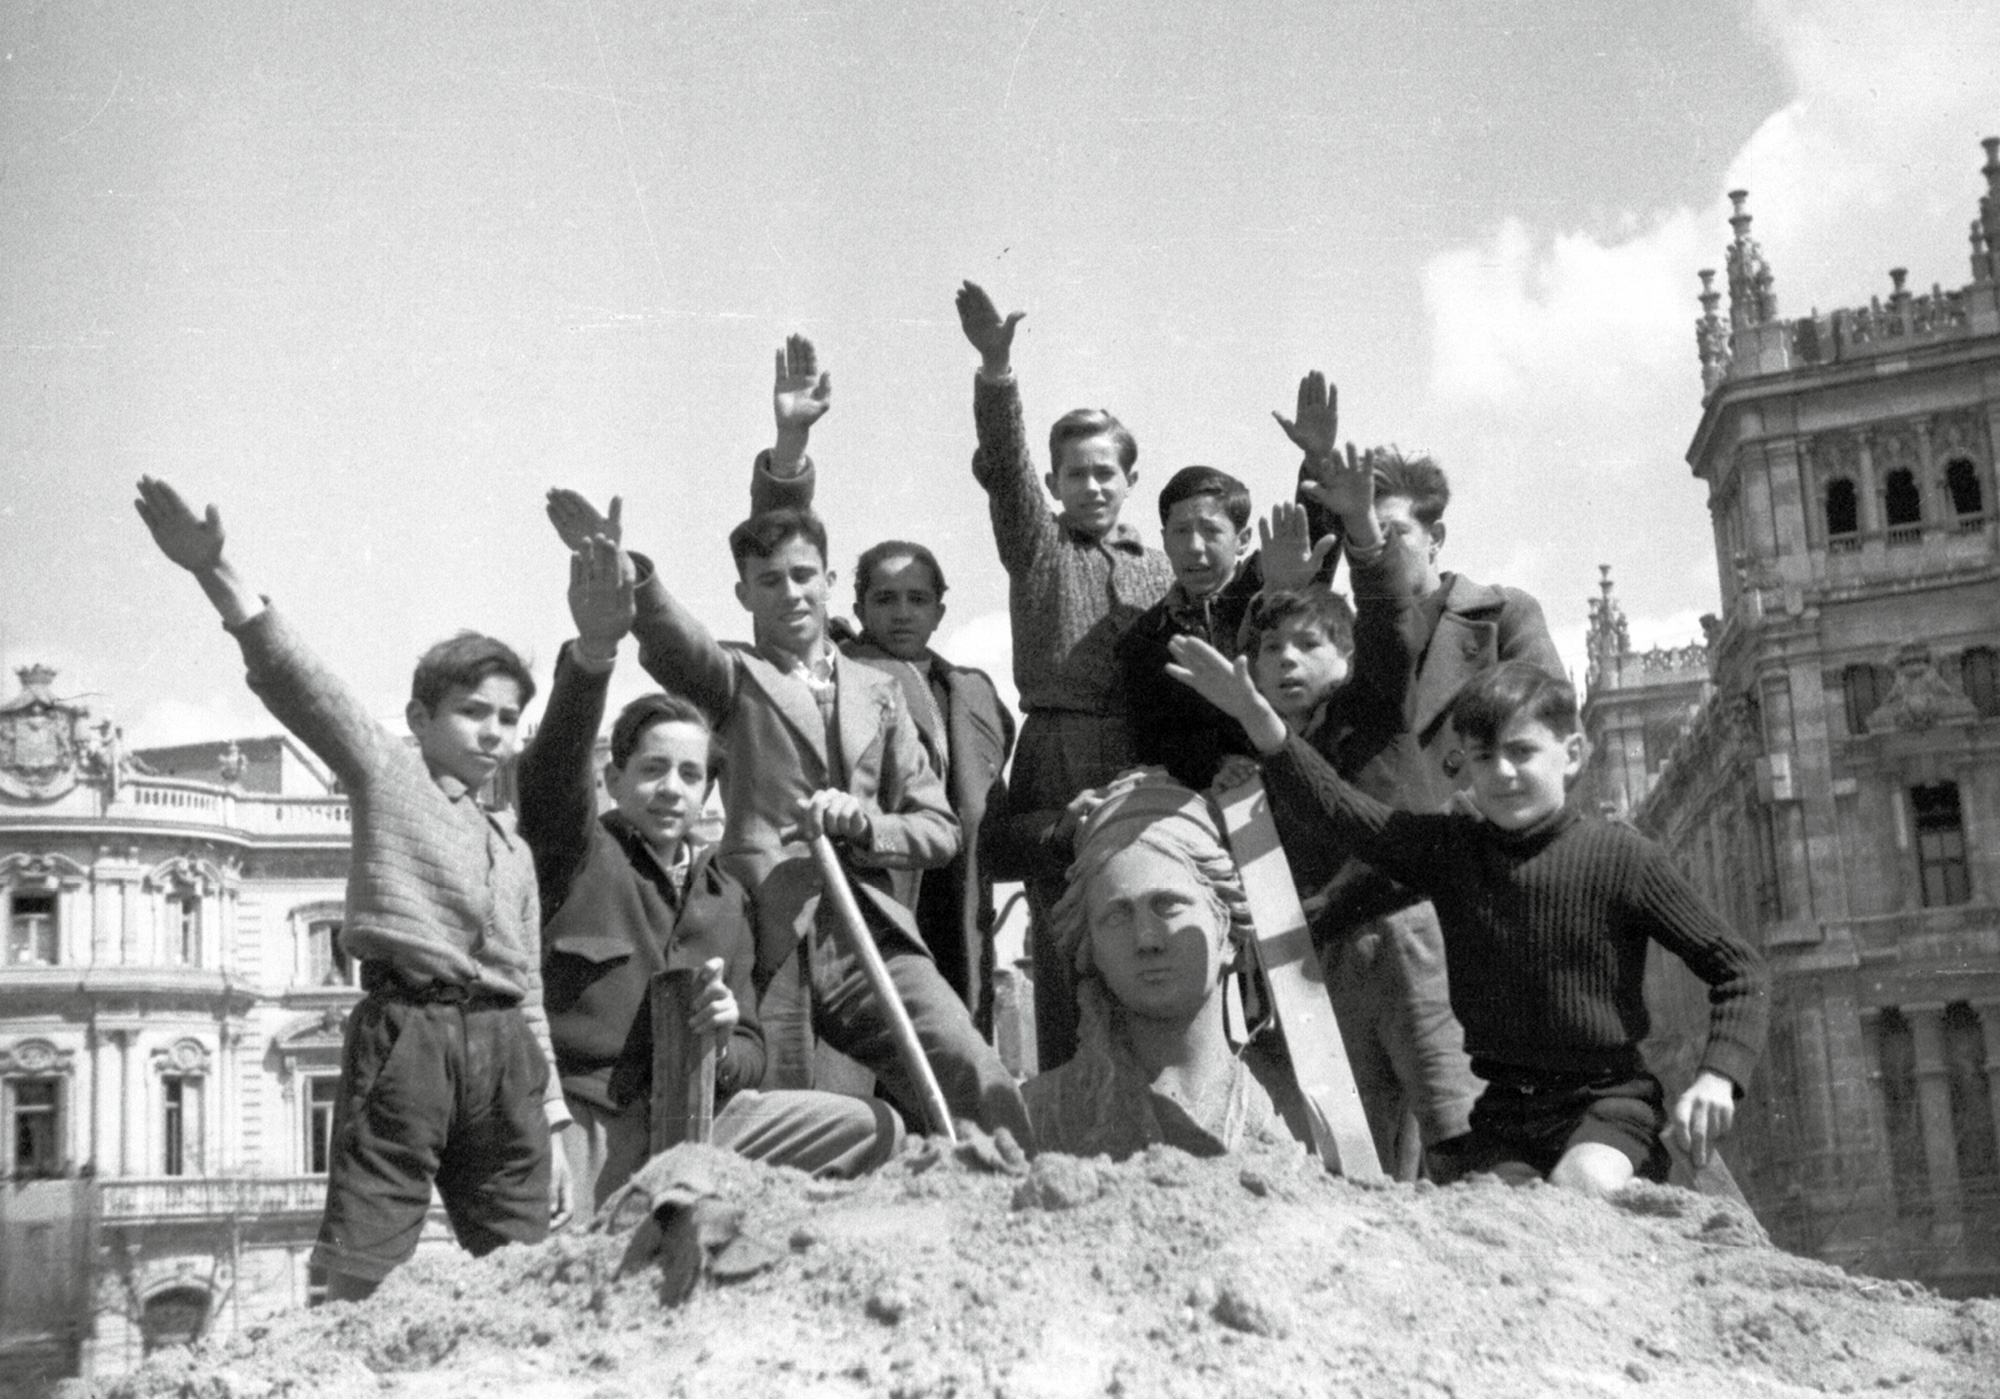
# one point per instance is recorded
(1090, 483)
(1523, 776)
(1296, 666)
(785, 595)
(901, 609)
(472, 731)
(1203, 544)
(1413, 545)
(1156, 937)
(663, 784)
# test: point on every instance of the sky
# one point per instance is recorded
(372, 276)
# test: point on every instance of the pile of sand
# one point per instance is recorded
(1256, 1276)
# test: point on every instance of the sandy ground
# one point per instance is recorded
(1161, 1276)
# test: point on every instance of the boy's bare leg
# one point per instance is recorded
(1593, 1168)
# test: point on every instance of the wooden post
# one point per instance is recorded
(1298, 987)
(683, 1065)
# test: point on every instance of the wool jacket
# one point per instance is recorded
(615, 919)
(438, 888)
(1545, 930)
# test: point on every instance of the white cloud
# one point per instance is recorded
(1565, 358)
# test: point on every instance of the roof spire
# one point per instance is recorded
(1753, 300)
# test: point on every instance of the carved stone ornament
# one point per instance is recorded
(181, 1057)
(1921, 697)
(31, 1057)
(39, 739)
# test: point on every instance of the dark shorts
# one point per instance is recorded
(434, 1094)
(1534, 1118)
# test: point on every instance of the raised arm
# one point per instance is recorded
(1023, 525)
(300, 692)
(558, 794)
(801, 394)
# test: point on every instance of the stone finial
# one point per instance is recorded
(1986, 230)
(1898, 276)
(1753, 300)
(1609, 638)
(1711, 336)
(35, 677)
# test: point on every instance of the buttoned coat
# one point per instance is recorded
(1480, 626)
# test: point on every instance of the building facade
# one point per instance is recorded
(1826, 764)
(172, 993)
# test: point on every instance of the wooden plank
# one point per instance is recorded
(1298, 987)
(683, 1100)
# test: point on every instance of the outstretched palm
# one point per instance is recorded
(1316, 431)
(577, 521)
(983, 326)
(194, 544)
(800, 392)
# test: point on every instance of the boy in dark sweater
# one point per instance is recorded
(1546, 915)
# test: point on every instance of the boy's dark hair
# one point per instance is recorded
(1192, 481)
(764, 533)
(644, 713)
(1488, 702)
(1080, 423)
(466, 660)
(877, 555)
(1417, 479)
(1328, 611)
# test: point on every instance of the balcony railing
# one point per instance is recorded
(151, 1198)
(205, 803)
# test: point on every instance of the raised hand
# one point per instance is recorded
(1292, 559)
(194, 544)
(1345, 485)
(601, 581)
(989, 334)
(1227, 685)
(576, 519)
(1316, 432)
(801, 391)
(833, 812)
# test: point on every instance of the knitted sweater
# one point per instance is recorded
(1545, 930)
(437, 887)
(1070, 595)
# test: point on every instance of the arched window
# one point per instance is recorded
(1909, 1169)
(176, 1317)
(1902, 504)
(1843, 509)
(1971, 1101)
(1865, 687)
(1961, 483)
(1979, 677)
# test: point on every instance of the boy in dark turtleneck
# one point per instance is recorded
(1546, 915)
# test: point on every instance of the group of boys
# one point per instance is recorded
(509, 968)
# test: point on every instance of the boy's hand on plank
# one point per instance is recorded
(833, 812)
(1704, 1114)
(983, 326)
(562, 1190)
(601, 583)
(715, 1010)
(577, 520)
(1233, 771)
(1292, 558)
(1227, 685)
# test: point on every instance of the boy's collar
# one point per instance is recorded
(1120, 536)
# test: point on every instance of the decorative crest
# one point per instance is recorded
(1921, 697)
(40, 739)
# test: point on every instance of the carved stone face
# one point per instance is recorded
(1157, 936)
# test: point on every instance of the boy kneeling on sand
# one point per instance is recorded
(1546, 913)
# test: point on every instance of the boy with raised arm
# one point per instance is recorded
(1077, 578)
(442, 913)
(967, 732)
(1546, 914)
(632, 894)
(815, 743)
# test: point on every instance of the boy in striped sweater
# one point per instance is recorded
(1546, 915)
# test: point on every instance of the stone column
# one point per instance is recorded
(1934, 1098)
(134, 1099)
(1989, 1025)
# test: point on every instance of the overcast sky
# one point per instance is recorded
(371, 276)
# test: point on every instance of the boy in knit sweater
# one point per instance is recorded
(442, 912)
(1076, 579)
(1546, 914)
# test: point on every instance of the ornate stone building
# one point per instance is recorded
(1838, 790)
(171, 997)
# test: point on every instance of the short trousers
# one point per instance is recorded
(1534, 1117)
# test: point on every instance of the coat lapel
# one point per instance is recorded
(861, 698)
(790, 697)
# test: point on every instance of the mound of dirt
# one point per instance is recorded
(1162, 1276)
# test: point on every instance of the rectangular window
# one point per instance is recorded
(320, 1095)
(186, 912)
(173, 1127)
(1941, 866)
(34, 1128)
(327, 962)
(31, 930)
